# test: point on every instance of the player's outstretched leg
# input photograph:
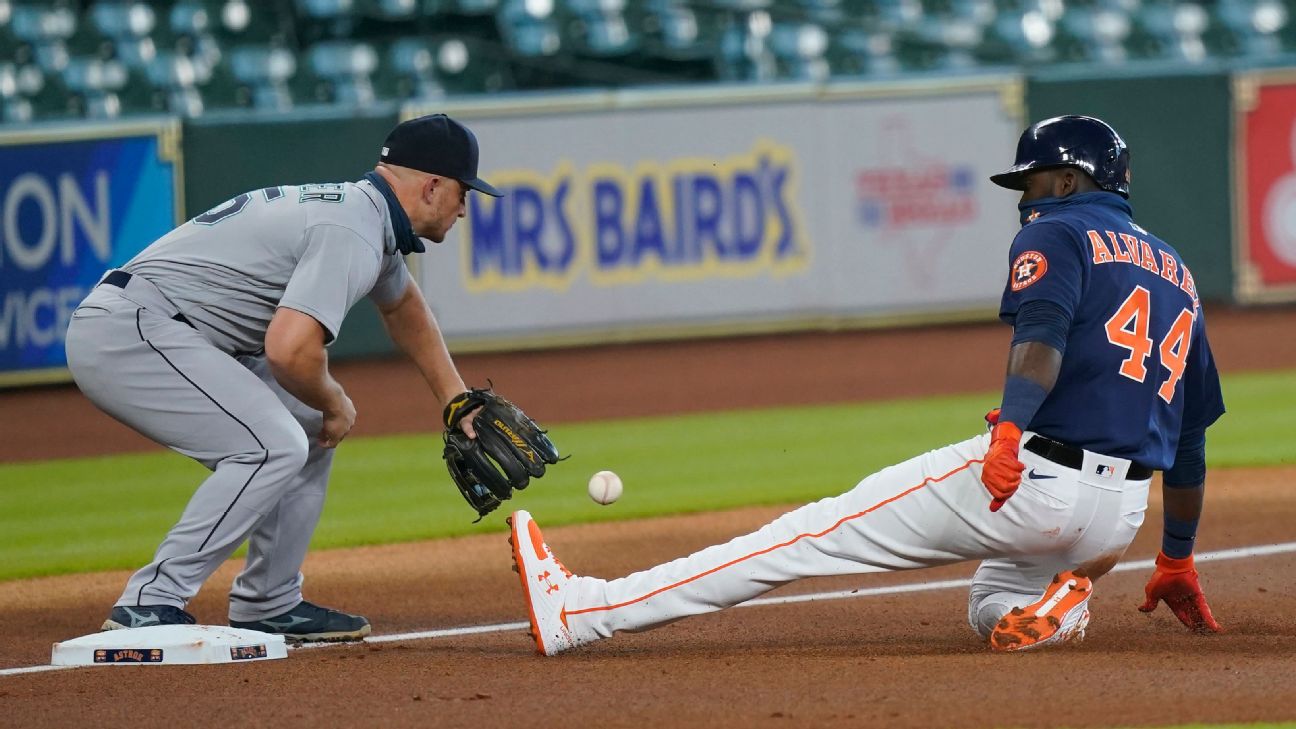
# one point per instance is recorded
(545, 585)
(1060, 615)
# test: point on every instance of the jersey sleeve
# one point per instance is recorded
(1044, 264)
(336, 268)
(1203, 398)
(393, 279)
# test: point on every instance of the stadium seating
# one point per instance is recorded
(64, 59)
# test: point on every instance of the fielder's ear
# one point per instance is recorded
(429, 187)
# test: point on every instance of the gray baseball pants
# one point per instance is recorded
(166, 380)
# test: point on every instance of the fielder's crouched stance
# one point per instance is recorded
(1110, 376)
(211, 342)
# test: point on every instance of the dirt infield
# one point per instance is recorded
(896, 660)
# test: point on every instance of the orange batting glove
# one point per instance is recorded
(1001, 472)
(992, 418)
(1175, 581)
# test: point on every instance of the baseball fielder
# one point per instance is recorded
(212, 342)
(1110, 376)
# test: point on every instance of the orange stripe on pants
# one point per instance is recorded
(926, 482)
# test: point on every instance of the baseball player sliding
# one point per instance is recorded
(212, 342)
(1110, 376)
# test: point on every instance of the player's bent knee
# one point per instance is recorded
(292, 454)
(285, 444)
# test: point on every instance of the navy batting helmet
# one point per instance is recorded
(1071, 141)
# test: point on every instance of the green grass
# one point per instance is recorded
(103, 513)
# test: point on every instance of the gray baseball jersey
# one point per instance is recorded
(200, 384)
(314, 248)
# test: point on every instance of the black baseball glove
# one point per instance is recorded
(509, 449)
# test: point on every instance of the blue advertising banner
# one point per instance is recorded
(74, 203)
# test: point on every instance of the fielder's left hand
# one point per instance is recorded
(1176, 582)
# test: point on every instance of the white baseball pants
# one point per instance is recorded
(930, 510)
(268, 480)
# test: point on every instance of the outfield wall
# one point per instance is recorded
(75, 201)
(663, 214)
(682, 212)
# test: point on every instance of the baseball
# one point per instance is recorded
(605, 487)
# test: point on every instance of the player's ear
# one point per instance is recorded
(1067, 182)
(429, 187)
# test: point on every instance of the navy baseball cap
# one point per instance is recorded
(438, 145)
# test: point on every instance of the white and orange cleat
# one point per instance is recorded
(545, 585)
(1059, 616)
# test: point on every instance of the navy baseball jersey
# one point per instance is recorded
(1137, 369)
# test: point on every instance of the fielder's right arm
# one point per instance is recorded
(294, 347)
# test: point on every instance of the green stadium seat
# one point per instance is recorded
(466, 65)
(189, 18)
(40, 24)
(1168, 30)
(892, 15)
(52, 99)
(23, 81)
(190, 56)
(8, 43)
(462, 7)
(409, 71)
(317, 19)
(601, 34)
(1017, 38)
(52, 56)
(856, 51)
(1249, 28)
(264, 73)
(344, 69)
(108, 88)
(175, 80)
(388, 10)
(1092, 35)
(42, 34)
(243, 22)
(822, 12)
(675, 31)
(529, 29)
(918, 52)
(800, 49)
(956, 39)
(974, 12)
(745, 54)
(16, 110)
(742, 6)
(123, 19)
(863, 14)
(15, 85)
(134, 52)
(220, 89)
(88, 75)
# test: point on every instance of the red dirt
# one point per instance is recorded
(905, 660)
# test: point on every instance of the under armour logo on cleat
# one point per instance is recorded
(550, 587)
